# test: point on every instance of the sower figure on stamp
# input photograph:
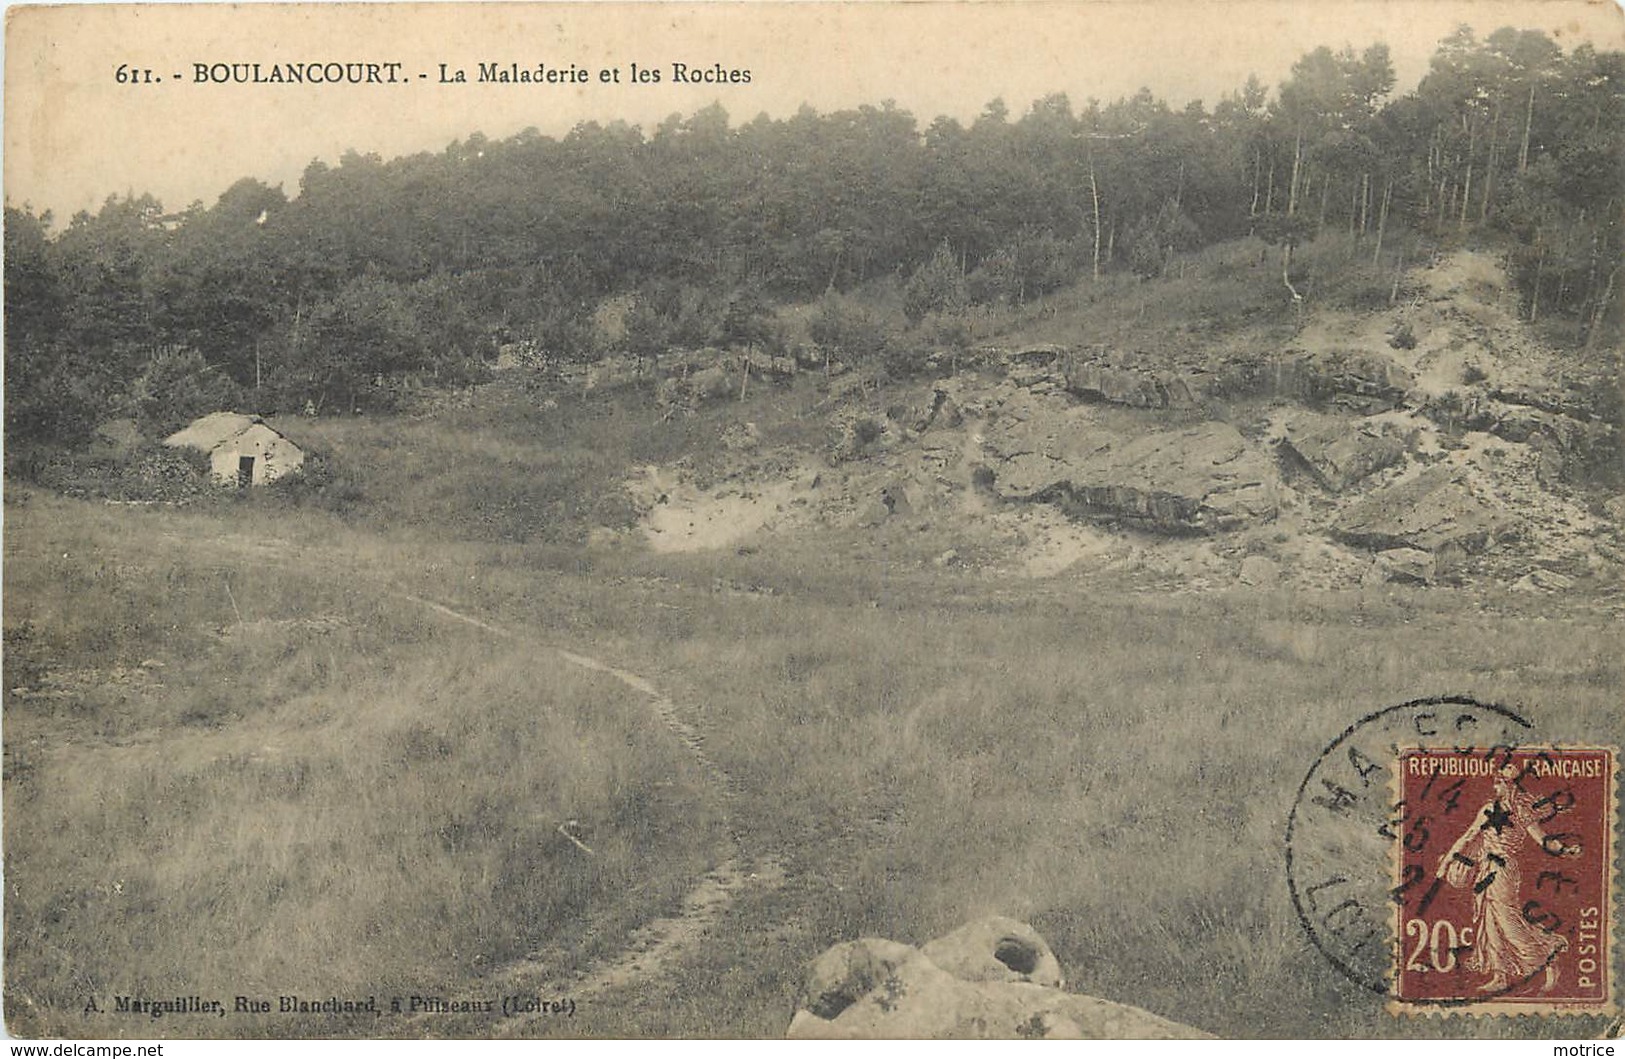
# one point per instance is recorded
(1506, 945)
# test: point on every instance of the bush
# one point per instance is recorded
(176, 387)
(936, 286)
(848, 330)
(1153, 239)
(852, 434)
(149, 473)
(320, 482)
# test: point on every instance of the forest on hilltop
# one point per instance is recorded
(423, 266)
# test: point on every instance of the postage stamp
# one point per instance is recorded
(1503, 880)
(1341, 836)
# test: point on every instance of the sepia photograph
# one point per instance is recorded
(997, 519)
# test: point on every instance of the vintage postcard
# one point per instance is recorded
(817, 520)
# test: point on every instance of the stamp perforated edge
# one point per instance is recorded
(1612, 870)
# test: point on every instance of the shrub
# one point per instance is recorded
(150, 473)
(320, 482)
(176, 387)
(849, 330)
(936, 286)
(852, 434)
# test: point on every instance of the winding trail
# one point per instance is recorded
(654, 947)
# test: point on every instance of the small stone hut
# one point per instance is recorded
(242, 449)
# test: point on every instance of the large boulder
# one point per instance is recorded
(1205, 479)
(1405, 566)
(996, 949)
(1434, 511)
(1336, 453)
(994, 979)
(1542, 580)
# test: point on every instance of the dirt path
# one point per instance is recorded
(654, 948)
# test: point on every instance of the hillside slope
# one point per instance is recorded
(1434, 441)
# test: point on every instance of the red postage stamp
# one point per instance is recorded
(1503, 889)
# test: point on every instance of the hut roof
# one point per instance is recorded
(214, 430)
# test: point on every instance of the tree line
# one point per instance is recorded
(423, 266)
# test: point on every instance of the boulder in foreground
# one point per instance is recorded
(992, 979)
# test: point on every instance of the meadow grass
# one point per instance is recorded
(320, 790)
(1116, 766)
(1113, 762)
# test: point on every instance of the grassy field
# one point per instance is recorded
(312, 785)
(235, 769)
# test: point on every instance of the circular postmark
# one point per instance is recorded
(1344, 826)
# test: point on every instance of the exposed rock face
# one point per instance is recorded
(993, 979)
(1359, 381)
(1033, 364)
(939, 410)
(853, 433)
(1542, 580)
(1335, 453)
(1202, 480)
(1431, 512)
(1566, 438)
(1130, 386)
(1406, 566)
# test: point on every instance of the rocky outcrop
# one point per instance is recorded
(1364, 382)
(1132, 387)
(890, 499)
(992, 979)
(1360, 381)
(1202, 480)
(1033, 365)
(1037, 355)
(852, 433)
(1404, 566)
(1566, 436)
(1542, 580)
(1431, 512)
(939, 410)
(1337, 454)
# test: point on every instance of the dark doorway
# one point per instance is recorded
(245, 471)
